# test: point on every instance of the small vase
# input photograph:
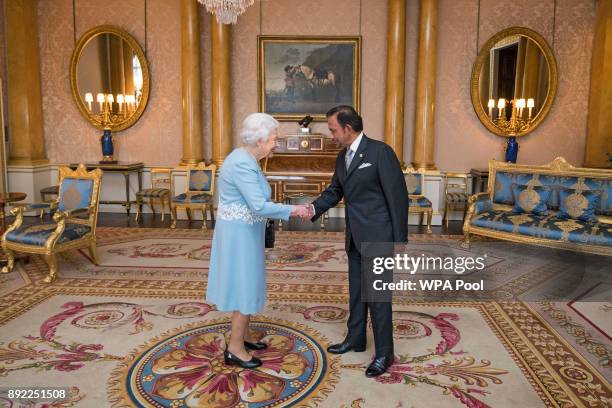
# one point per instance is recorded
(107, 147)
(511, 150)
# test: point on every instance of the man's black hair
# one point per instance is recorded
(346, 115)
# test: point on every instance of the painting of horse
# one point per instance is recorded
(307, 75)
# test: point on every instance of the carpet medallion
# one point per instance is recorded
(136, 332)
(187, 369)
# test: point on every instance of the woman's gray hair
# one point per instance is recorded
(257, 126)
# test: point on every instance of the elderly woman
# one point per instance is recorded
(236, 279)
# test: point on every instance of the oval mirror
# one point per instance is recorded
(514, 82)
(109, 77)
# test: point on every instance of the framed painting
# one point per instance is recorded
(307, 75)
(293, 143)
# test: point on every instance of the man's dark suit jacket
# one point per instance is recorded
(375, 195)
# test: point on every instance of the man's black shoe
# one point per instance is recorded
(344, 347)
(379, 366)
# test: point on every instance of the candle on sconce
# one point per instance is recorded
(521, 105)
(120, 101)
(130, 101)
(491, 105)
(501, 105)
(110, 99)
(100, 98)
(89, 99)
(530, 105)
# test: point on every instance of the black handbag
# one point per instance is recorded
(270, 234)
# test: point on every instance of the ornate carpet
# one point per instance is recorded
(135, 331)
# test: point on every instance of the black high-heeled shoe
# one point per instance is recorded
(231, 359)
(257, 346)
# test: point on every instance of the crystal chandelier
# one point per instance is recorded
(227, 11)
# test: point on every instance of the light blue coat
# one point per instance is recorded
(236, 277)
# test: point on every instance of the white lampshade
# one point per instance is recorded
(530, 103)
(88, 97)
(100, 98)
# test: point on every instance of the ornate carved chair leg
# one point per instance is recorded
(421, 213)
(188, 211)
(151, 204)
(93, 253)
(52, 262)
(204, 216)
(174, 217)
(163, 208)
(138, 207)
(466, 240)
(10, 261)
(429, 217)
(445, 218)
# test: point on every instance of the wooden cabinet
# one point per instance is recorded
(302, 166)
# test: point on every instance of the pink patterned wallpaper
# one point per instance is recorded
(461, 141)
(156, 138)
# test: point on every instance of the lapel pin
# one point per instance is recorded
(360, 154)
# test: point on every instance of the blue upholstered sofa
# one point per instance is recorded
(499, 214)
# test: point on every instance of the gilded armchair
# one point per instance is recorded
(418, 203)
(455, 194)
(161, 190)
(199, 194)
(73, 225)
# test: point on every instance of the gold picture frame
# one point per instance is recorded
(308, 75)
(111, 35)
(484, 69)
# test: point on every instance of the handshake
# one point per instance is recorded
(305, 211)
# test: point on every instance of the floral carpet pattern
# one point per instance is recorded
(130, 334)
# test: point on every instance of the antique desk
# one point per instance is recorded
(302, 166)
(123, 168)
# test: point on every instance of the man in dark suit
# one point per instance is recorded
(369, 177)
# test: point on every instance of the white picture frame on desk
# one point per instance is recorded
(293, 143)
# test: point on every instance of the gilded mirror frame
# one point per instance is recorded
(482, 58)
(78, 51)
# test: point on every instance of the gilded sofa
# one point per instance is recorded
(493, 214)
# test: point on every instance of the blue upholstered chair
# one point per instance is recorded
(73, 225)
(199, 194)
(161, 190)
(419, 204)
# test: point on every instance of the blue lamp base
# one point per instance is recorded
(107, 147)
(512, 147)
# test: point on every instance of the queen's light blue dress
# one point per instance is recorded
(237, 275)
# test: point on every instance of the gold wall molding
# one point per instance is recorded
(221, 39)
(599, 135)
(191, 93)
(27, 144)
(395, 84)
(426, 86)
